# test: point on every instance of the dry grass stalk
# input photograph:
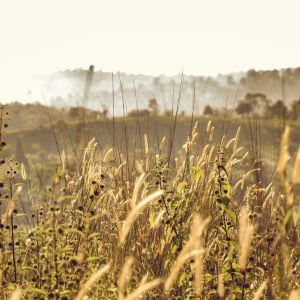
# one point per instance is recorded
(146, 151)
(107, 155)
(11, 204)
(211, 152)
(23, 171)
(221, 287)
(146, 144)
(195, 128)
(295, 295)
(143, 280)
(259, 293)
(158, 219)
(208, 126)
(237, 137)
(284, 154)
(143, 289)
(16, 294)
(162, 143)
(230, 142)
(282, 164)
(137, 188)
(197, 229)
(199, 273)
(124, 277)
(119, 169)
(245, 236)
(134, 213)
(211, 133)
(89, 283)
(296, 171)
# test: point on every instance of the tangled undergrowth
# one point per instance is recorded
(152, 230)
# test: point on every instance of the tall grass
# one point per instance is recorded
(200, 226)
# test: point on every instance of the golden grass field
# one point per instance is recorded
(191, 208)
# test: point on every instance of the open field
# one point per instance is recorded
(149, 150)
(158, 208)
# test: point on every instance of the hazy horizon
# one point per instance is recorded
(138, 37)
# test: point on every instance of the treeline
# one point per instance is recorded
(258, 104)
(29, 116)
(140, 88)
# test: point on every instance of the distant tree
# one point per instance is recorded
(76, 112)
(88, 84)
(141, 113)
(260, 103)
(208, 110)
(153, 105)
(104, 112)
(295, 110)
(278, 109)
(256, 98)
(243, 81)
(230, 80)
(244, 107)
(168, 113)
(221, 111)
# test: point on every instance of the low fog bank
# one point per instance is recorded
(121, 92)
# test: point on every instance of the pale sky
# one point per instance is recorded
(203, 37)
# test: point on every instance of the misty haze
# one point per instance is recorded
(149, 150)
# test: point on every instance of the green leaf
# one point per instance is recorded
(66, 198)
(226, 187)
(94, 235)
(230, 214)
(21, 215)
(181, 186)
(93, 258)
(73, 230)
(67, 249)
(208, 277)
(222, 229)
(36, 291)
(235, 244)
(166, 263)
(196, 173)
(212, 292)
(237, 291)
(25, 268)
(152, 218)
